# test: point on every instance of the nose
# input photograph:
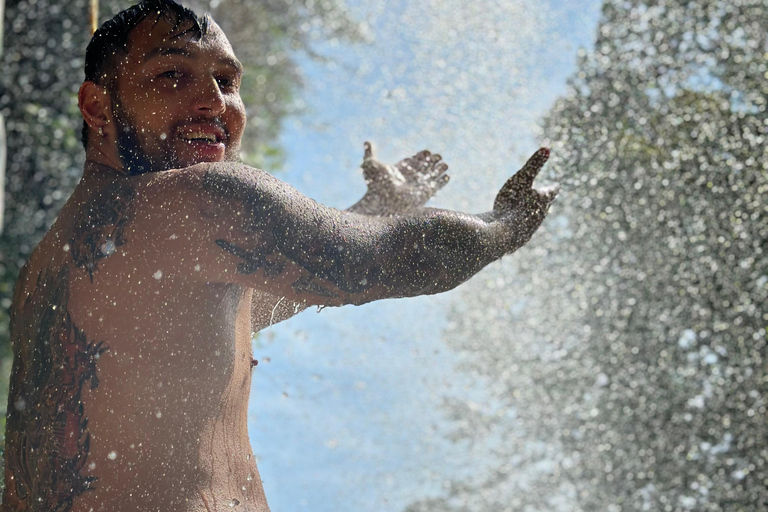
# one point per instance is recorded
(210, 99)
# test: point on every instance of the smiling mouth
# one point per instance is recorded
(207, 137)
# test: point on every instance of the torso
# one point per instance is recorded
(141, 401)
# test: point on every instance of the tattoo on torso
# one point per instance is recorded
(47, 439)
(98, 228)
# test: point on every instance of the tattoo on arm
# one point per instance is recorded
(253, 260)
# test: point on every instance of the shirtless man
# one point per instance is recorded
(132, 320)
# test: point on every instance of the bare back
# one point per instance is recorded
(130, 384)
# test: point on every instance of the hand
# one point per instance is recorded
(520, 206)
(397, 189)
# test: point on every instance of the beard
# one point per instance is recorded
(136, 160)
(140, 155)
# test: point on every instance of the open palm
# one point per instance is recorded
(399, 188)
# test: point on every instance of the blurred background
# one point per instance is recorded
(615, 363)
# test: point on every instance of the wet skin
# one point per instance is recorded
(132, 320)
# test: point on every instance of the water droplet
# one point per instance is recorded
(108, 248)
(234, 502)
(158, 275)
(249, 477)
(92, 466)
(112, 455)
(197, 268)
(159, 414)
(164, 136)
(20, 404)
(66, 247)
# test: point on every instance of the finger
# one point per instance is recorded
(549, 194)
(506, 194)
(530, 170)
(373, 170)
(550, 191)
(438, 170)
(427, 164)
(408, 166)
(368, 154)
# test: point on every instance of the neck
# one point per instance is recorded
(103, 152)
(100, 170)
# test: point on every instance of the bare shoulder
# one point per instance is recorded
(183, 221)
(212, 176)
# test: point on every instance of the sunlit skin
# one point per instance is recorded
(161, 265)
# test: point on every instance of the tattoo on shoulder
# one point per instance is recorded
(47, 439)
(317, 269)
(254, 259)
(323, 263)
(99, 226)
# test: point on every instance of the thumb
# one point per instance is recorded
(368, 154)
(373, 170)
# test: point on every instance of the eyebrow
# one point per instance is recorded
(161, 51)
(164, 51)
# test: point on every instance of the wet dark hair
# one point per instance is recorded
(111, 39)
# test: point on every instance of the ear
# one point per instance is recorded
(95, 105)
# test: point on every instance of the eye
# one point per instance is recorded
(228, 82)
(172, 74)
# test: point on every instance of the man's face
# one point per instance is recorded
(177, 101)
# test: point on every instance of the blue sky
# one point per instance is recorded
(345, 406)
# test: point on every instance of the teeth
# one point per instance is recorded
(210, 137)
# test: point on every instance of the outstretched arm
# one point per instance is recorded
(243, 226)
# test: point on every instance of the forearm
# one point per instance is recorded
(442, 249)
(367, 259)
